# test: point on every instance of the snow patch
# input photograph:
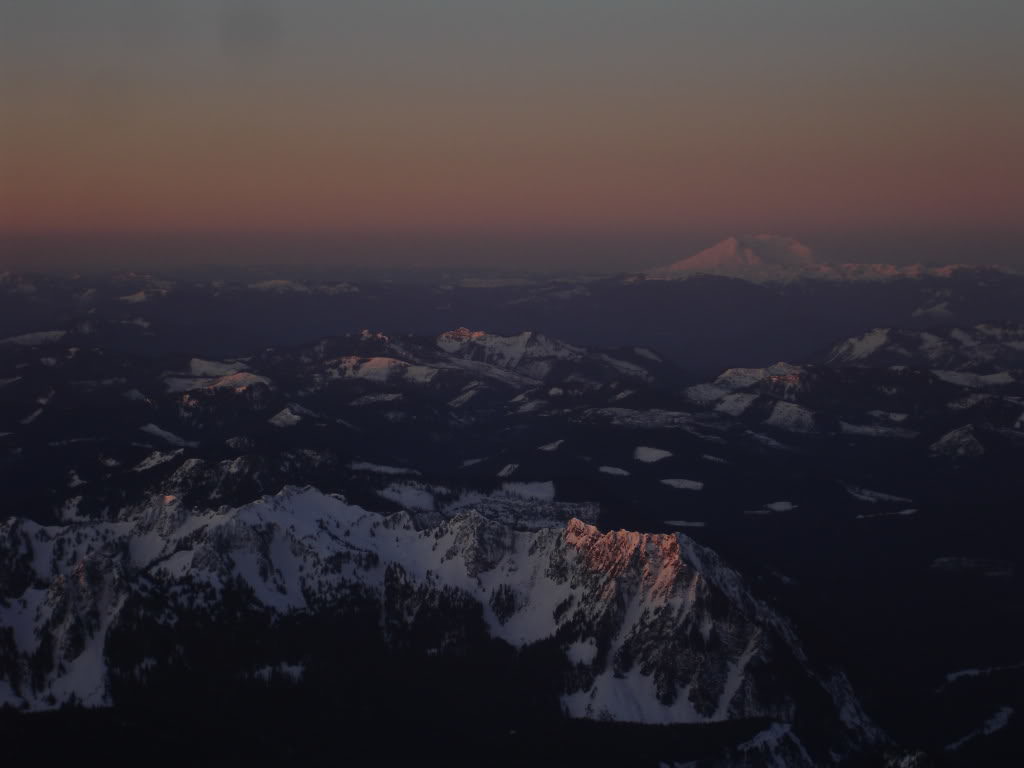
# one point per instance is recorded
(860, 347)
(735, 404)
(157, 458)
(35, 339)
(650, 455)
(683, 484)
(411, 496)
(873, 497)
(997, 722)
(791, 417)
(32, 416)
(647, 353)
(286, 417)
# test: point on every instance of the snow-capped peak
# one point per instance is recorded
(746, 251)
(776, 258)
(527, 352)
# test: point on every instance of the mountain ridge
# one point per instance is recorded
(655, 629)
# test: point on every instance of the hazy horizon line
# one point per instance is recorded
(493, 251)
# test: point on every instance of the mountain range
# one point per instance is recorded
(772, 258)
(801, 562)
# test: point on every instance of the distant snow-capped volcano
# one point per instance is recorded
(773, 258)
(746, 251)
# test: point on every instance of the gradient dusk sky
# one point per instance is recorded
(455, 117)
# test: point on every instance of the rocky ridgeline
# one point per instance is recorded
(653, 628)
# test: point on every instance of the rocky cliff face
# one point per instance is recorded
(653, 628)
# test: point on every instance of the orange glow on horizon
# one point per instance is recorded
(459, 138)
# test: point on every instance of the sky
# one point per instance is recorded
(600, 123)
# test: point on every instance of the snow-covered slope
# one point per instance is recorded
(654, 627)
(379, 369)
(981, 348)
(781, 377)
(530, 354)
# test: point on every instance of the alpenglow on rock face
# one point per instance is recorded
(653, 627)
